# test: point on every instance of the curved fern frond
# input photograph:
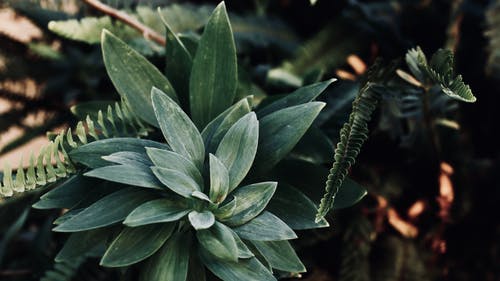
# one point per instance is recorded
(352, 136)
(52, 161)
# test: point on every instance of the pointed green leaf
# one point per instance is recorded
(349, 194)
(246, 269)
(294, 208)
(227, 210)
(90, 154)
(219, 241)
(137, 175)
(201, 220)
(238, 147)
(219, 180)
(170, 262)
(172, 160)
(82, 243)
(109, 210)
(133, 76)
(200, 195)
(252, 199)
(129, 158)
(265, 227)
(135, 244)
(180, 133)
(214, 76)
(178, 182)
(243, 251)
(179, 63)
(217, 128)
(157, 211)
(280, 255)
(300, 96)
(281, 130)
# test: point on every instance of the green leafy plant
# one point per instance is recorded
(168, 210)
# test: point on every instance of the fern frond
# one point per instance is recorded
(52, 161)
(352, 136)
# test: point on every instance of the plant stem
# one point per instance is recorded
(429, 124)
(147, 32)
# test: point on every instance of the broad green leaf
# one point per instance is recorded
(172, 160)
(238, 147)
(196, 270)
(82, 243)
(245, 269)
(170, 262)
(219, 180)
(157, 211)
(129, 158)
(133, 76)
(201, 220)
(280, 255)
(179, 63)
(90, 154)
(217, 128)
(227, 210)
(349, 194)
(281, 130)
(200, 195)
(252, 199)
(315, 146)
(214, 76)
(178, 182)
(219, 241)
(294, 208)
(180, 133)
(298, 97)
(136, 175)
(109, 210)
(243, 251)
(265, 227)
(135, 244)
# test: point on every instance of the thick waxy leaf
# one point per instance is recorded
(178, 182)
(201, 220)
(157, 211)
(178, 66)
(129, 158)
(299, 96)
(172, 160)
(246, 269)
(219, 241)
(294, 208)
(280, 255)
(265, 227)
(90, 154)
(133, 76)
(135, 244)
(219, 180)
(349, 194)
(238, 147)
(136, 175)
(252, 199)
(178, 129)
(281, 130)
(243, 251)
(170, 262)
(214, 75)
(109, 210)
(83, 243)
(217, 128)
(227, 210)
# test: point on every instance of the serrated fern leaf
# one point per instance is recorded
(352, 136)
(52, 161)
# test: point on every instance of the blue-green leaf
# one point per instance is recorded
(219, 241)
(176, 181)
(238, 147)
(135, 175)
(350, 193)
(214, 76)
(281, 130)
(172, 160)
(219, 180)
(179, 131)
(201, 220)
(133, 76)
(109, 210)
(135, 244)
(252, 199)
(280, 255)
(157, 211)
(265, 227)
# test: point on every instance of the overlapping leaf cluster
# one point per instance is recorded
(196, 201)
